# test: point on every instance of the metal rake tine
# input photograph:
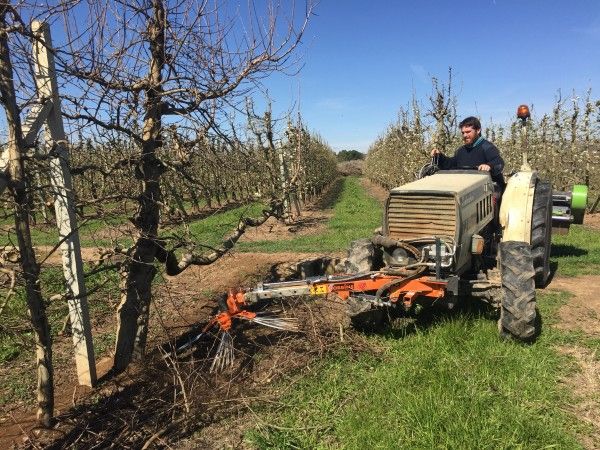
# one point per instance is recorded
(279, 323)
(189, 343)
(224, 356)
(290, 321)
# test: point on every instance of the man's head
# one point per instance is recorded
(470, 128)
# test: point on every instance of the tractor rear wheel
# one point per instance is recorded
(518, 313)
(363, 256)
(541, 232)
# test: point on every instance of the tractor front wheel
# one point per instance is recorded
(541, 230)
(518, 312)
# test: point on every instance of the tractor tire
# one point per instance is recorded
(518, 313)
(363, 256)
(541, 232)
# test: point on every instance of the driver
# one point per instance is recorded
(476, 153)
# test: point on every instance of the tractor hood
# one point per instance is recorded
(446, 182)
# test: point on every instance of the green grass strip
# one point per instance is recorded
(355, 215)
(211, 230)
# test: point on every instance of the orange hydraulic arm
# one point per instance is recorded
(381, 288)
(375, 287)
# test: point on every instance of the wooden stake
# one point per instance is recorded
(62, 186)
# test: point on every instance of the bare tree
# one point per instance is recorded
(133, 65)
(443, 111)
(10, 22)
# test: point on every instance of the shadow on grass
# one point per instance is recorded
(562, 250)
(331, 196)
(400, 326)
(553, 270)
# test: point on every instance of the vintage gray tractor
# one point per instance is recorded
(446, 237)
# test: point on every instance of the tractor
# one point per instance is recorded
(446, 236)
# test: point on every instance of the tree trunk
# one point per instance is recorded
(29, 266)
(133, 312)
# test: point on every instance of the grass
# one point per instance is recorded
(17, 346)
(47, 234)
(92, 232)
(211, 230)
(102, 288)
(577, 253)
(355, 216)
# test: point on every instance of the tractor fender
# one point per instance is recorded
(516, 207)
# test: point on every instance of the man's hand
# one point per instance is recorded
(435, 152)
(484, 167)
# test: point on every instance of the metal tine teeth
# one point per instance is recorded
(279, 323)
(187, 344)
(224, 356)
(270, 313)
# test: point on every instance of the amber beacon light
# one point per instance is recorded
(523, 112)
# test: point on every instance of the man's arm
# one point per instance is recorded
(493, 159)
(444, 162)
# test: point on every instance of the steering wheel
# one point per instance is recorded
(428, 169)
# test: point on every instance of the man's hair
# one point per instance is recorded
(472, 122)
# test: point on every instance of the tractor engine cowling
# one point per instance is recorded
(450, 205)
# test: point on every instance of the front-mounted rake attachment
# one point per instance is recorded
(363, 292)
(232, 308)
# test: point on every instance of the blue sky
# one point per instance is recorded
(362, 60)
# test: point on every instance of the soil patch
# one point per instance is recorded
(582, 311)
(51, 256)
(585, 386)
(592, 220)
(375, 190)
(114, 232)
(312, 220)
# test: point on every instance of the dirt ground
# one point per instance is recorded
(582, 312)
(181, 302)
(592, 220)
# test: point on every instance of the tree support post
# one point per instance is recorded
(64, 205)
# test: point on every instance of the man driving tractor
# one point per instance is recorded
(476, 153)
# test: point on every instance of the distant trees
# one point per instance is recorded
(564, 145)
(350, 155)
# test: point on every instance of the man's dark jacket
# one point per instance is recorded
(482, 152)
